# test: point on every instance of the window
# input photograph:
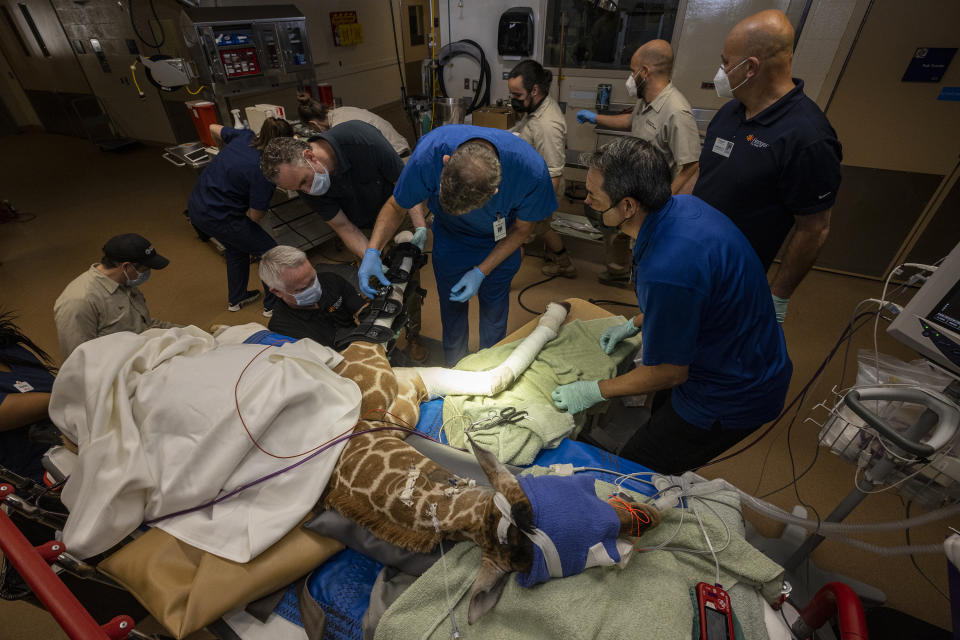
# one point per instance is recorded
(603, 34)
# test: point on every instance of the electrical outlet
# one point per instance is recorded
(475, 84)
(466, 83)
(506, 75)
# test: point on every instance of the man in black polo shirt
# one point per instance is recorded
(771, 160)
(346, 174)
(315, 305)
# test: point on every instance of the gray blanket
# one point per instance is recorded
(649, 598)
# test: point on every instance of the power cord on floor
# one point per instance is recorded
(528, 287)
(598, 301)
(844, 336)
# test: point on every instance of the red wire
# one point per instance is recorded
(236, 402)
(639, 517)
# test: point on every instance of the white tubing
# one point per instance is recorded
(694, 485)
(441, 381)
(699, 486)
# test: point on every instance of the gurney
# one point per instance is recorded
(574, 453)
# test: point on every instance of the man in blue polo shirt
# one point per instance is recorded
(486, 188)
(770, 160)
(712, 349)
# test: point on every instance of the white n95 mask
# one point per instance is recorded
(721, 82)
(631, 86)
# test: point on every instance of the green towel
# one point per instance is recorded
(575, 354)
(649, 598)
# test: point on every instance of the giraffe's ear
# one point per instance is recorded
(498, 474)
(487, 588)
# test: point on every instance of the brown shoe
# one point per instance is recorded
(559, 265)
(417, 351)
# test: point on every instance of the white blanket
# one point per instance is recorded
(155, 419)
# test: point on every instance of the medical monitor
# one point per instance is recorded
(930, 322)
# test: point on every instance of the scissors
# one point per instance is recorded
(509, 415)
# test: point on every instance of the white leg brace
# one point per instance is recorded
(440, 381)
(396, 290)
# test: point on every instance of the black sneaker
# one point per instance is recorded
(252, 296)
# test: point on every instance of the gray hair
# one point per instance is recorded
(470, 177)
(633, 168)
(280, 151)
(277, 260)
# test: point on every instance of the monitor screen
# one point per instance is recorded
(930, 322)
(947, 311)
(717, 628)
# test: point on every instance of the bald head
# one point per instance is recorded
(656, 55)
(767, 36)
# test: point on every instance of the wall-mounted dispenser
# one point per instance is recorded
(515, 34)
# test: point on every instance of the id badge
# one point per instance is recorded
(499, 228)
(722, 147)
(23, 386)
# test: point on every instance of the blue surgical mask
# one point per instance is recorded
(321, 181)
(139, 280)
(309, 296)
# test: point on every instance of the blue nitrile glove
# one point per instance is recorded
(780, 307)
(419, 237)
(612, 336)
(585, 115)
(577, 396)
(371, 266)
(467, 287)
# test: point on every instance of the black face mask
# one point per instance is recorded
(518, 105)
(604, 225)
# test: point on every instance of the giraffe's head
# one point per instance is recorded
(504, 541)
(499, 559)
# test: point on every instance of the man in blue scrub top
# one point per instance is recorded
(486, 188)
(712, 349)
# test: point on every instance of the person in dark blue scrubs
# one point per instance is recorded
(486, 188)
(229, 200)
(712, 350)
(26, 379)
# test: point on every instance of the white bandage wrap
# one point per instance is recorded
(441, 382)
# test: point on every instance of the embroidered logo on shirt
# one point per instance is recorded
(821, 197)
(757, 142)
(336, 305)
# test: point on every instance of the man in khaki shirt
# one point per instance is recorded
(662, 117)
(545, 129)
(105, 299)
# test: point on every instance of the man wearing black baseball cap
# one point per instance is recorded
(106, 299)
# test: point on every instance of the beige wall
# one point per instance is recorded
(134, 117)
(888, 124)
(11, 92)
(36, 72)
